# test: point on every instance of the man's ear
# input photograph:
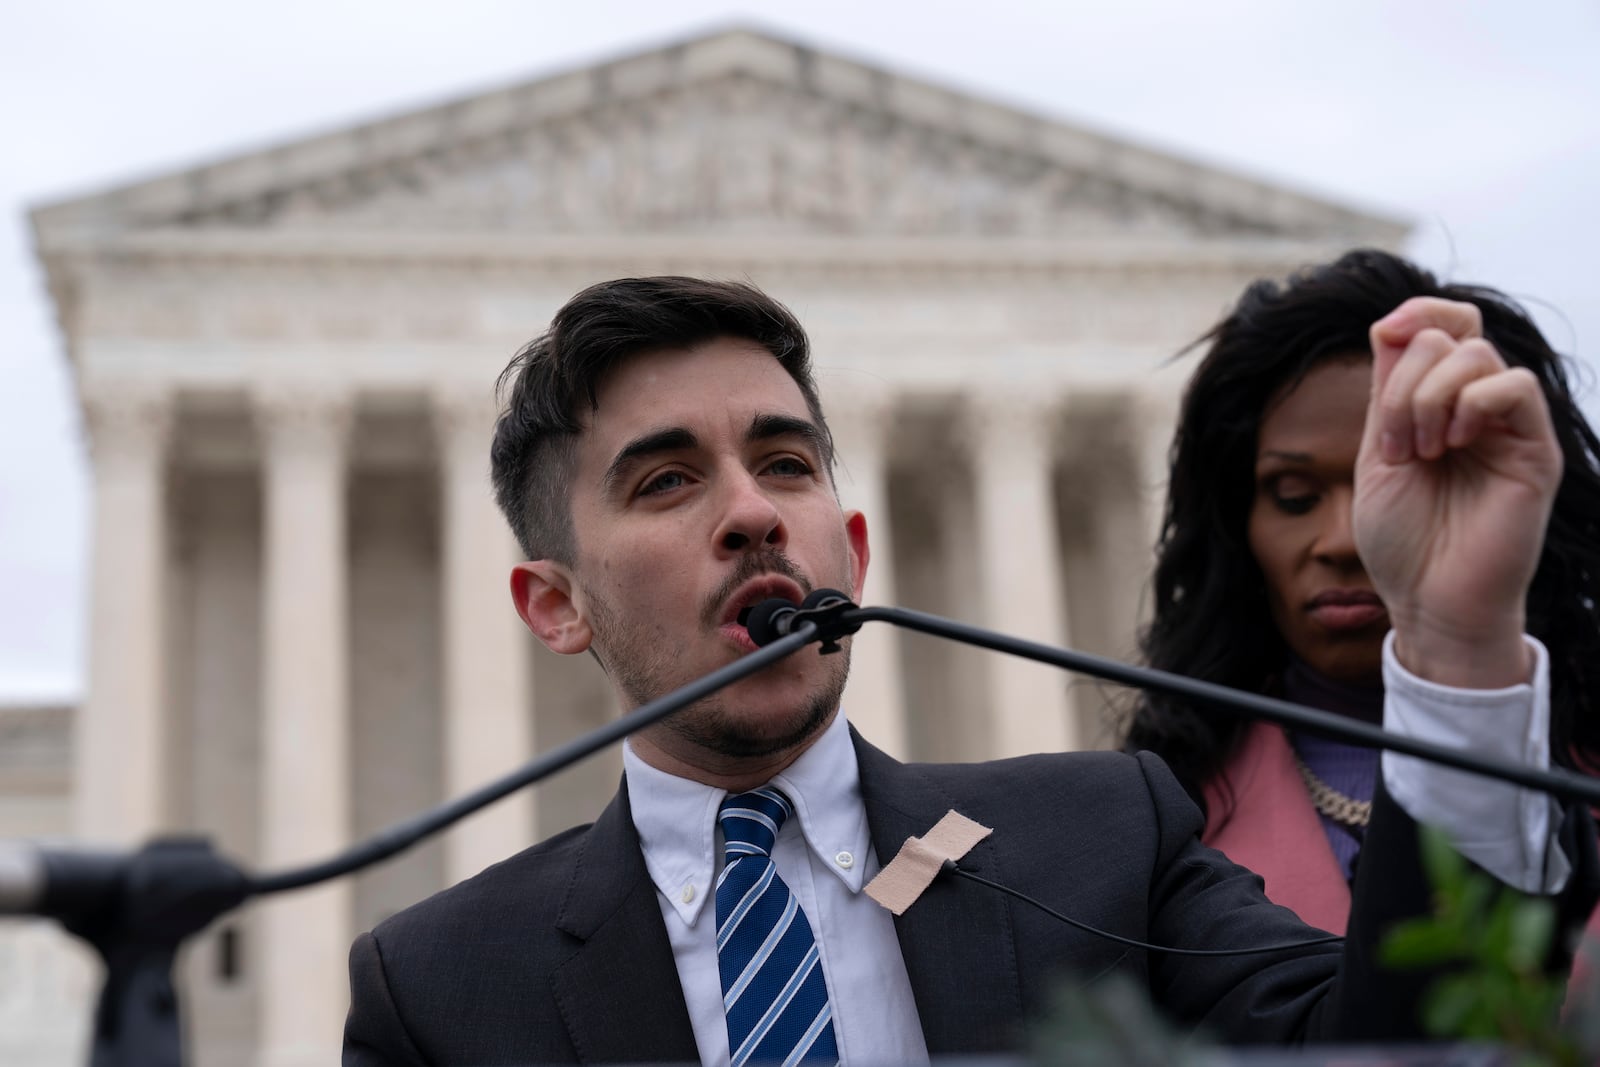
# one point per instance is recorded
(855, 529)
(543, 593)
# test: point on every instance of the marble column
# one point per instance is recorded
(1154, 413)
(1020, 570)
(305, 935)
(488, 718)
(121, 742)
(874, 698)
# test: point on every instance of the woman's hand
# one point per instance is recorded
(1458, 469)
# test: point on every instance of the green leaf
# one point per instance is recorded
(1421, 943)
(1476, 895)
(1450, 1005)
(1444, 864)
(1493, 946)
(1495, 942)
(1533, 924)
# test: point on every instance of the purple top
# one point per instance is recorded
(1349, 769)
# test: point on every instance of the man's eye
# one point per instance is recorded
(664, 482)
(790, 467)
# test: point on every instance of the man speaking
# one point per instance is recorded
(665, 463)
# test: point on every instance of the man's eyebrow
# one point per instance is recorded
(671, 439)
(765, 427)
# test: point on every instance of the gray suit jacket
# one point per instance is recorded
(560, 955)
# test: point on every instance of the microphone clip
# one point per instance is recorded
(823, 608)
(827, 615)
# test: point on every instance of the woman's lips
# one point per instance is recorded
(1342, 609)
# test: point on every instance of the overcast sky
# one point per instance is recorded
(1478, 121)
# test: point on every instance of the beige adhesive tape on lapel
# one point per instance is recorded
(898, 885)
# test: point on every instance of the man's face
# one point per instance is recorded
(700, 489)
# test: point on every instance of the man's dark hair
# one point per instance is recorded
(556, 378)
(1211, 618)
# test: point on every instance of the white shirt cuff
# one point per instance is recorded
(1504, 828)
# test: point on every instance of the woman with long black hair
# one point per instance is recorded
(1258, 584)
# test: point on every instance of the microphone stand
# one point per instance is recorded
(136, 909)
(835, 620)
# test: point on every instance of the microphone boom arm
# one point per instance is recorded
(403, 835)
(135, 909)
(1233, 701)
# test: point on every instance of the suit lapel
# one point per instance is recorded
(956, 939)
(619, 992)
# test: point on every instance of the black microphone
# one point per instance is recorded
(775, 618)
(54, 883)
(78, 886)
(769, 620)
(22, 877)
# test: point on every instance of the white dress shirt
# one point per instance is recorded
(1505, 829)
(825, 852)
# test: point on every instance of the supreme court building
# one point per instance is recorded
(301, 630)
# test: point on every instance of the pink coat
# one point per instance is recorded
(1267, 822)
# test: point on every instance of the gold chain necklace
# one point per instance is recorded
(1347, 811)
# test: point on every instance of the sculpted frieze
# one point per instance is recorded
(732, 156)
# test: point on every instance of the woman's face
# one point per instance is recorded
(1320, 596)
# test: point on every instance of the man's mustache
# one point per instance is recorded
(767, 561)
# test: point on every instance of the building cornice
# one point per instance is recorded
(955, 256)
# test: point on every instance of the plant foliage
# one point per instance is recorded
(1491, 944)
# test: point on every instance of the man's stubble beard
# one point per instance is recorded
(643, 669)
(710, 725)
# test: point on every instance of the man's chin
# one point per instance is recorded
(741, 738)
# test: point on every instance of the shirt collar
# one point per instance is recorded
(677, 819)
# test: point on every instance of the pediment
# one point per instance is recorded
(737, 155)
(734, 133)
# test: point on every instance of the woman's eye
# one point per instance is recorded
(1292, 495)
(664, 482)
(1295, 505)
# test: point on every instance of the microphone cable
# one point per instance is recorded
(951, 867)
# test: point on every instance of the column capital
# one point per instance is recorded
(1150, 419)
(862, 422)
(464, 416)
(303, 418)
(127, 417)
(1160, 401)
(472, 403)
(1010, 418)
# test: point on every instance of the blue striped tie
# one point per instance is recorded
(773, 990)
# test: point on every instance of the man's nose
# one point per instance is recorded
(749, 518)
